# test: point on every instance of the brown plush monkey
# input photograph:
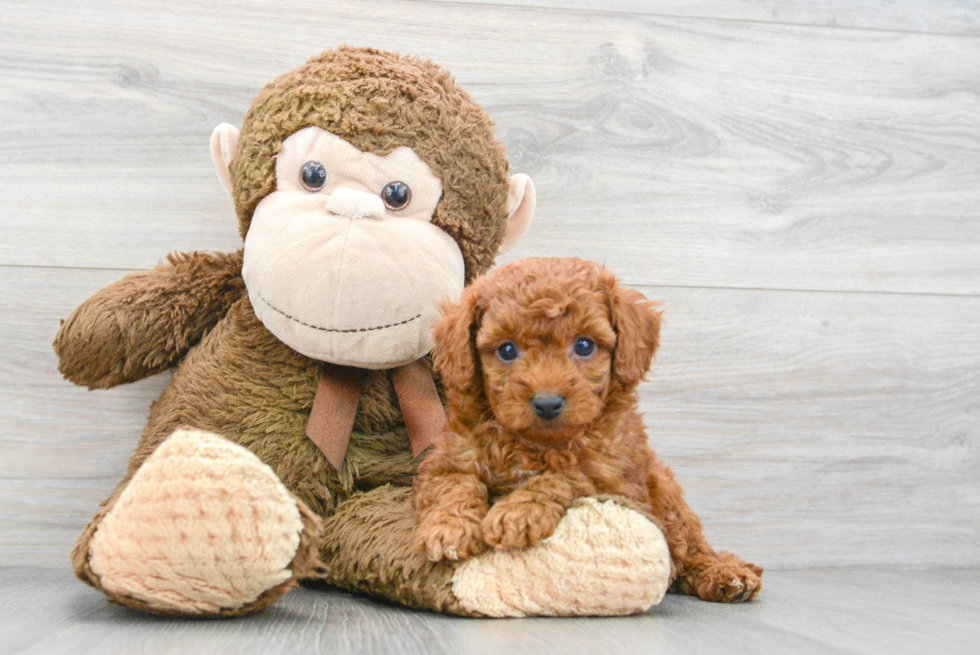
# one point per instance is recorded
(369, 188)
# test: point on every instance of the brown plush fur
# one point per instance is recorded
(239, 380)
(366, 532)
(233, 377)
(378, 102)
(149, 320)
(503, 476)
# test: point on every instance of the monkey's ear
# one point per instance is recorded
(520, 210)
(454, 355)
(224, 145)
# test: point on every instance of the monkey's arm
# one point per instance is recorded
(146, 321)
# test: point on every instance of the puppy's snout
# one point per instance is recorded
(548, 405)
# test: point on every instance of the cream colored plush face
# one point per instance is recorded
(337, 275)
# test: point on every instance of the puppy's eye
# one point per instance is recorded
(507, 352)
(584, 347)
(396, 195)
(313, 176)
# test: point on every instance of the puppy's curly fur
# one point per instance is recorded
(540, 361)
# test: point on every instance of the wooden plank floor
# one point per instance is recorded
(802, 612)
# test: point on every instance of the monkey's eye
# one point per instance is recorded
(396, 195)
(313, 176)
(507, 352)
(584, 347)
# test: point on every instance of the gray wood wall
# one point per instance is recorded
(799, 182)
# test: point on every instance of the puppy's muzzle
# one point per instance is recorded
(548, 405)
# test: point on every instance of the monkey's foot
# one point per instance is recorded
(204, 528)
(603, 559)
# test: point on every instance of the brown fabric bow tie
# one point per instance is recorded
(337, 396)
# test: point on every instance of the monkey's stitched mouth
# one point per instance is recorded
(326, 329)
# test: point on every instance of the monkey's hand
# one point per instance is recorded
(146, 321)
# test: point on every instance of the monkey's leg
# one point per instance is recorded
(203, 528)
(603, 559)
(700, 571)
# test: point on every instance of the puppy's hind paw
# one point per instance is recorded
(728, 580)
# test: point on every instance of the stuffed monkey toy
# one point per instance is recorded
(369, 188)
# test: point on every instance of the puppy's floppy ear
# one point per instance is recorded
(636, 321)
(455, 355)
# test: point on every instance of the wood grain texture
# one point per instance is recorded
(823, 429)
(895, 612)
(808, 429)
(806, 201)
(64, 448)
(934, 16)
(689, 152)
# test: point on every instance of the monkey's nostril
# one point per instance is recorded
(547, 405)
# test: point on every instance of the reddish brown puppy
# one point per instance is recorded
(540, 361)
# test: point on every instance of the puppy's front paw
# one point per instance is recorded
(448, 537)
(519, 524)
(729, 580)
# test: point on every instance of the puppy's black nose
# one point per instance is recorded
(547, 405)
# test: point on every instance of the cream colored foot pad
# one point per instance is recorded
(602, 560)
(204, 525)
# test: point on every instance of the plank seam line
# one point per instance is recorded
(634, 14)
(626, 280)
